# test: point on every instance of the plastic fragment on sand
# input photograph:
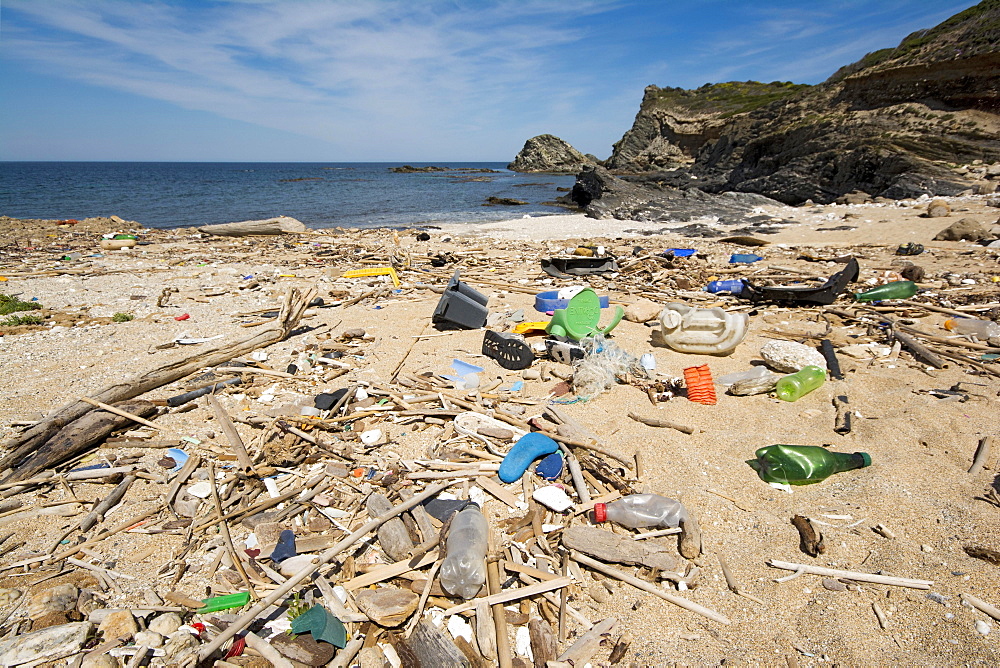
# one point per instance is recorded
(322, 625)
(373, 271)
(226, 602)
(285, 548)
(553, 497)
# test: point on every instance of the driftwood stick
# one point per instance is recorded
(842, 422)
(577, 475)
(504, 659)
(245, 619)
(106, 504)
(423, 598)
(233, 554)
(657, 422)
(982, 454)
(851, 575)
(919, 350)
(584, 648)
(118, 411)
(266, 650)
(233, 436)
(982, 606)
(292, 308)
(107, 534)
(513, 594)
(648, 587)
(731, 582)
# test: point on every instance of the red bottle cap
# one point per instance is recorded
(600, 512)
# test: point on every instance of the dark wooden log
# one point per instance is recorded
(76, 437)
(268, 226)
(428, 647)
(611, 547)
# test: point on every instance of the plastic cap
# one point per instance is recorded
(600, 512)
(949, 324)
(866, 458)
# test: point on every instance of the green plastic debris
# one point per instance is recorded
(318, 621)
(227, 602)
(581, 317)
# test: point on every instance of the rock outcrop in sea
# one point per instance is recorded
(550, 154)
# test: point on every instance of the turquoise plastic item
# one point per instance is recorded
(322, 625)
(528, 448)
(581, 317)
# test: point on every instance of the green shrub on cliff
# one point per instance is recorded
(728, 99)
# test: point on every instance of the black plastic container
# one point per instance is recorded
(461, 306)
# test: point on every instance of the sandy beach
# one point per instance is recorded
(921, 425)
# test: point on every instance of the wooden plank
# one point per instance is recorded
(514, 594)
(493, 487)
(389, 571)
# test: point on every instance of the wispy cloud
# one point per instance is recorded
(340, 72)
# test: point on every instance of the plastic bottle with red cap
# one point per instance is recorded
(640, 511)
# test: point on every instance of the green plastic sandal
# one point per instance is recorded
(581, 316)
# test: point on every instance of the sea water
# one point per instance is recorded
(187, 194)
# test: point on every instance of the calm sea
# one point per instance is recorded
(184, 194)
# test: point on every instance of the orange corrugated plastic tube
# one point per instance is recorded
(700, 388)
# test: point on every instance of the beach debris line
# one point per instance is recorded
(308, 528)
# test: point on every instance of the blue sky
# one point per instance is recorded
(380, 80)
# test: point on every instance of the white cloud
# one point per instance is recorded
(343, 72)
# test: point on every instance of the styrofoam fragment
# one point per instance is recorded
(552, 497)
(789, 356)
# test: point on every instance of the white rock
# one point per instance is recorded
(202, 489)
(296, 564)
(149, 639)
(789, 356)
(166, 623)
(552, 497)
(983, 627)
(50, 644)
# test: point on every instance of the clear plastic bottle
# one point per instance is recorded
(639, 511)
(981, 329)
(798, 384)
(463, 571)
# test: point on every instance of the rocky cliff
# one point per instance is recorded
(895, 124)
(550, 154)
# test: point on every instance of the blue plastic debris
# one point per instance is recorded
(285, 547)
(179, 457)
(551, 466)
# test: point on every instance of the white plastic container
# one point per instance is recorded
(463, 571)
(705, 331)
(640, 511)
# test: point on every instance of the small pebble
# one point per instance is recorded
(983, 627)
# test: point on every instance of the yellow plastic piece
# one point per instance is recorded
(374, 271)
(525, 327)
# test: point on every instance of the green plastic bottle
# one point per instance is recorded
(895, 290)
(800, 383)
(804, 464)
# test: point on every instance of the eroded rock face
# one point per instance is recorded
(550, 154)
(892, 125)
